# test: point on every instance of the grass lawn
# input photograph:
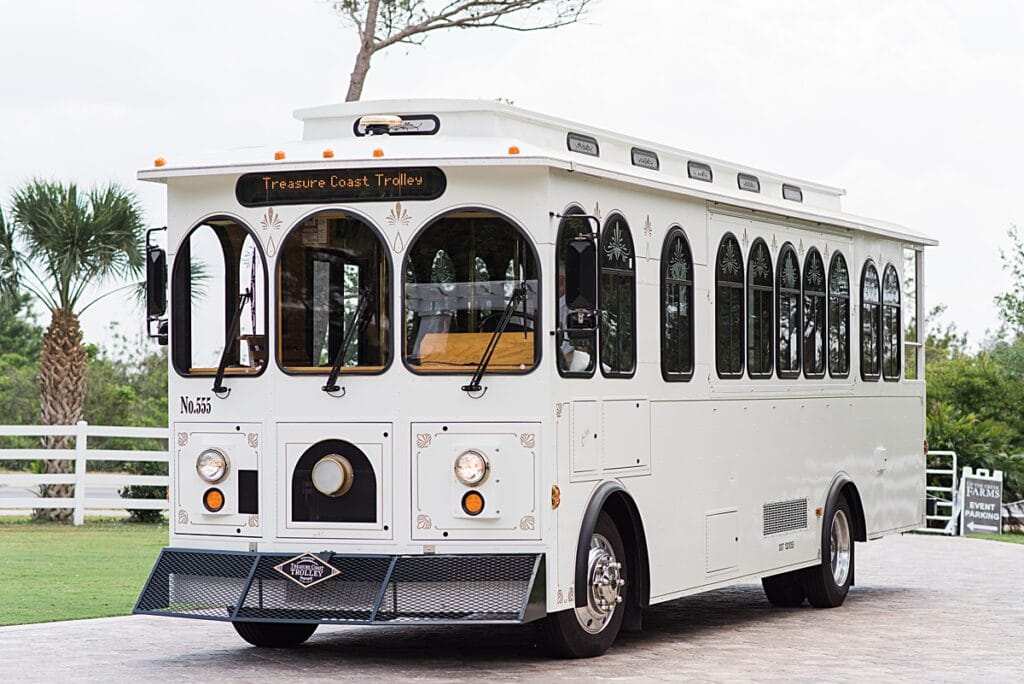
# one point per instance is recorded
(1012, 538)
(60, 572)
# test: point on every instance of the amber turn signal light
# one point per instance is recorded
(159, 161)
(473, 503)
(213, 499)
(328, 153)
(379, 152)
(279, 155)
(514, 149)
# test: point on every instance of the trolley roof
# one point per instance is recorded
(480, 132)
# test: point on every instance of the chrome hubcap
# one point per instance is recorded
(840, 548)
(604, 586)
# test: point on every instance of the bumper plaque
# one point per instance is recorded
(307, 570)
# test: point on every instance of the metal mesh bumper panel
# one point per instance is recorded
(368, 589)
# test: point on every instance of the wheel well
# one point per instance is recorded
(852, 496)
(619, 505)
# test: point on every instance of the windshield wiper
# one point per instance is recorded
(359, 323)
(218, 382)
(518, 295)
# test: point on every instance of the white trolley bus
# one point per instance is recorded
(456, 362)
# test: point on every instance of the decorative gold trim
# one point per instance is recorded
(254, 521)
(423, 522)
(253, 439)
(182, 517)
(527, 523)
(528, 440)
(182, 438)
(423, 440)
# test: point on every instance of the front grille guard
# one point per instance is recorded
(372, 589)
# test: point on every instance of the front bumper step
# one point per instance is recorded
(379, 589)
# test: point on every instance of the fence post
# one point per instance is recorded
(80, 457)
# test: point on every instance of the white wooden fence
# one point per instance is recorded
(79, 476)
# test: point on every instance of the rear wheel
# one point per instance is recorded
(589, 631)
(785, 590)
(274, 634)
(826, 585)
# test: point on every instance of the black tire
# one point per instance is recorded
(563, 635)
(820, 583)
(274, 634)
(785, 590)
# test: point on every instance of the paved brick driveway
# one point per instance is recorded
(914, 616)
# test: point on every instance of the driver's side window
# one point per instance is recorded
(218, 293)
(577, 352)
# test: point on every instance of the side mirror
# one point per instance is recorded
(581, 274)
(156, 282)
(581, 287)
(156, 289)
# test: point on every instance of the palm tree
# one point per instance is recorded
(70, 241)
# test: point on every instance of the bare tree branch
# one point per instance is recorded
(383, 23)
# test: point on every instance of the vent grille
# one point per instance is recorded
(785, 516)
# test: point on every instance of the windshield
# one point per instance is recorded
(219, 274)
(459, 277)
(325, 262)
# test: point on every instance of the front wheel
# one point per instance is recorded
(589, 631)
(274, 634)
(826, 585)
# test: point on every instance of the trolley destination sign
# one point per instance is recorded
(340, 185)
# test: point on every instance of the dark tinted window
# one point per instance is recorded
(760, 311)
(789, 313)
(838, 317)
(577, 355)
(890, 323)
(814, 315)
(676, 307)
(870, 311)
(617, 298)
(729, 308)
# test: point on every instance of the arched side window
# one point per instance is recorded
(838, 317)
(814, 315)
(461, 271)
(676, 307)
(219, 301)
(577, 354)
(729, 308)
(788, 315)
(334, 296)
(760, 311)
(891, 324)
(617, 299)
(870, 310)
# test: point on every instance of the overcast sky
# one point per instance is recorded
(913, 106)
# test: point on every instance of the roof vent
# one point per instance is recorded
(380, 124)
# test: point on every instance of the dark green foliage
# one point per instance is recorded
(976, 403)
(127, 385)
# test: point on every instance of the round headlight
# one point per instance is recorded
(332, 475)
(212, 465)
(471, 468)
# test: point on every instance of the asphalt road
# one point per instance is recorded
(925, 609)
